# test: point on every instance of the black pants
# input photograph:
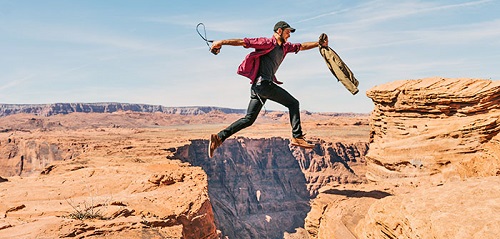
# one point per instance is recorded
(266, 90)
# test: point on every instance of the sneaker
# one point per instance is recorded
(299, 141)
(214, 143)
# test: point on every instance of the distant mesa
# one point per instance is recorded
(67, 108)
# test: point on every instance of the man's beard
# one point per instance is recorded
(281, 38)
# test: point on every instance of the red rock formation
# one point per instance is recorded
(435, 125)
(462, 209)
(120, 177)
(433, 163)
(22, 157)
(261, 188)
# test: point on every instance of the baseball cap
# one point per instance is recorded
(284, 25)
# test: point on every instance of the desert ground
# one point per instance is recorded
(105, 164)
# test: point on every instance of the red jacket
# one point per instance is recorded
(250, 66)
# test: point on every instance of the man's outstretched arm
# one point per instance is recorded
(323, 41)
(231, 42)
(308, 45)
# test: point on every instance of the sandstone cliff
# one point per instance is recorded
(105, 183)
(433, 166)
(435, 125)
(460, 209)
(261, 188)
(23, 157)
(440, 136)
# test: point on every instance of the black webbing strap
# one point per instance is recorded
(215, 51)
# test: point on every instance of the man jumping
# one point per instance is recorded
(260, 67)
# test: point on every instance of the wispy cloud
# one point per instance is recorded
(460, 34)
(374, 12)
(487, 32)
(15, 82)
(80, 35)
(405, 9)
(324, 15)
(356, 28)
(215, 24)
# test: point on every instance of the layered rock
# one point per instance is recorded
(461, 209)
(435, 126)
(338, 209)
(261, 188)
(434, 147)
(119, 185)
(330, 162)
(433, 166)
(72, 200)
(389, 210)
(23, 157)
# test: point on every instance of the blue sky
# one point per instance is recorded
(149, 52)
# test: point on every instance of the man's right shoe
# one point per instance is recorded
(214, 143)
(299, 141)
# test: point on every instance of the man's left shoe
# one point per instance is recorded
(214, 143)
(299, 141)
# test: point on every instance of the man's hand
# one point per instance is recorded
(215, 48)
(323, 40)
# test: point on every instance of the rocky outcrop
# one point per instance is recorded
(119, 185)
(433, 166)
(435, 151)
(23, 157)
(461, 209)
(137, 201)
(435, 126)
(338, 209)
(396, 209)
(66, 108)
(261, 188)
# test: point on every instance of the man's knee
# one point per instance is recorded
(249, 120)
(294, 103)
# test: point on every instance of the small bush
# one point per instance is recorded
(86, 211)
